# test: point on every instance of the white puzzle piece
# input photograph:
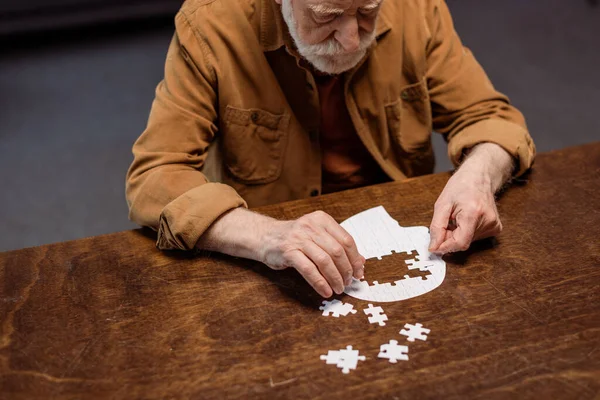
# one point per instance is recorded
(332, 357)
(377, 315)
(345, 359)
(377, 235)
(413, 332)
(393, 352)
(336, 308)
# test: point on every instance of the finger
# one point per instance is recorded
(355, 259)
(325, 265)
(337, 253)
(461, 238)
(495, 230)
(489, 224)
(439, 226)
(441, 248)
(310, 273)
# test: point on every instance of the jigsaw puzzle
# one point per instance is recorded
(345, 359)
(336, 308)
(413, 332)
(378, 235)
(377, 315)
(393, 352)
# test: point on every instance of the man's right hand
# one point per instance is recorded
(315, 245)
(318, 248)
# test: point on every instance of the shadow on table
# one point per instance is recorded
(289, 282)
(461, 258)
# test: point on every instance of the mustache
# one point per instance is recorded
(333, 48)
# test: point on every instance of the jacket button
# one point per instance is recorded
(254, 116)
(404, 95)
(314, 193)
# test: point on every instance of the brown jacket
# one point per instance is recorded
(237, 106)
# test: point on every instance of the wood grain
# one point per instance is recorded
(516, 317)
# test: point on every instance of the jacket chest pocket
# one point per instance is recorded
(254, 143)
(409, 123)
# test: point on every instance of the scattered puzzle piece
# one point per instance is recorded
(332, 357)
(393, 352)
(336, 308)
(377, 315)
(414, 332)
(345, 359)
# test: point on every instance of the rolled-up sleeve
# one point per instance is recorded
(165, 187)
(466, 108)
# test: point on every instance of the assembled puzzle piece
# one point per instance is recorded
(414, 332)
(336, 308)
(393, 352)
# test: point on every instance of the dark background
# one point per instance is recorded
(77, 79)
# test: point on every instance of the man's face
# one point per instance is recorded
(333, 35)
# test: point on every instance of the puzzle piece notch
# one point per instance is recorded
(377, 315)
(336, 308)
(423, 266)
(382, 286)
(393, 352)
(415, 332)
(345, 359)
(412, 252)
(399, 282)
(387, 285)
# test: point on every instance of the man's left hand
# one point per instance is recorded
(466, 209)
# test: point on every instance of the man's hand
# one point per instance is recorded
(315, 245)
(318, 247)
(466, 209)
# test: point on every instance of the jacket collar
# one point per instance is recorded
(274, 32)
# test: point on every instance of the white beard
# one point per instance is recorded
(328, 57)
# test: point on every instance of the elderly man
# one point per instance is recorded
(284, 99)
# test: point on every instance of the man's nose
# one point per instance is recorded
(347, 33)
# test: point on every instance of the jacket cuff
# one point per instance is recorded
(186, 218)
(511, 137)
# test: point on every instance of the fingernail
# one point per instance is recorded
(361, 273)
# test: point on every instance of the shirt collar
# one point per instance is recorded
(274, 32)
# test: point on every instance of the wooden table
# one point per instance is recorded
(516, 317)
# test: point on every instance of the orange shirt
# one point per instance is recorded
(345, 161)
(232, 120)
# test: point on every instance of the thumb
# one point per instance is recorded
(438, 227)
(462, 236)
